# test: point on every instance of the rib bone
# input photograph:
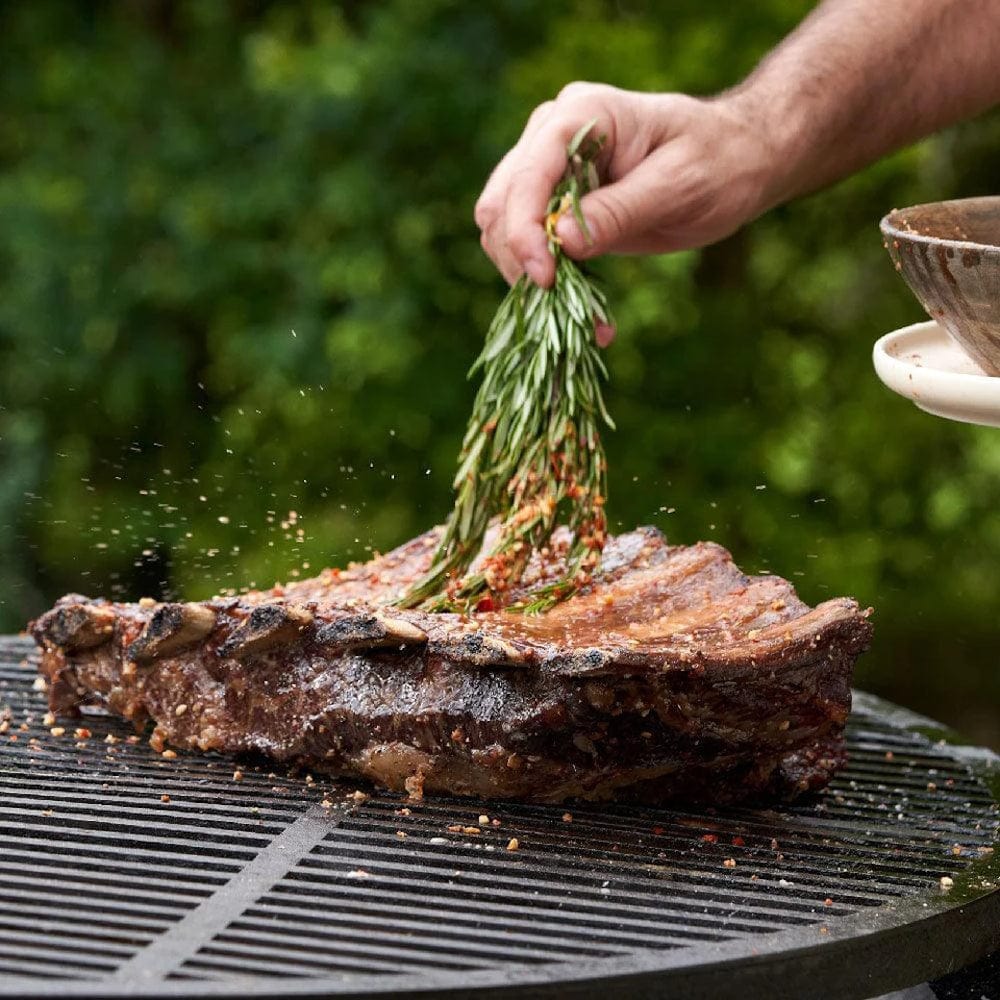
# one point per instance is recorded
(590, 662)
(266, 626)
(79, 626)
(172, 628)
(481, 650)
(370, 631)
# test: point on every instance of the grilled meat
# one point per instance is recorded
(672, 675)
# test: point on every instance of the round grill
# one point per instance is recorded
(124, 873)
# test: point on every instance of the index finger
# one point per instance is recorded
(490, 204)
(538, 171)
(541, 167)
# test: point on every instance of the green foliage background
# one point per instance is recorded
(239, 277)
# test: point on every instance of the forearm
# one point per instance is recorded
(857, 79)
(860, 78)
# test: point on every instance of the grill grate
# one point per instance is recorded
(234, 887)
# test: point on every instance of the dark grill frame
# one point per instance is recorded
(251, 891)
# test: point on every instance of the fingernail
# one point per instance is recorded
(571, 233)
(537, 270)
(604, 333)
(567, 226)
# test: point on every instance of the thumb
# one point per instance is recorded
(615, 214)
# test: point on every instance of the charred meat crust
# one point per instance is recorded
(673, 675)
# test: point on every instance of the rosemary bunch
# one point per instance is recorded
(532, 454)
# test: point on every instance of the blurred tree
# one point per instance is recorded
(240, 287)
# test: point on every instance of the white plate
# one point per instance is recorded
(923, 363)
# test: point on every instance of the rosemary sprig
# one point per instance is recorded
(532, 454)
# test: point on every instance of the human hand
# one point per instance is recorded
(677, 172)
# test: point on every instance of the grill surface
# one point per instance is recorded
(258, 887)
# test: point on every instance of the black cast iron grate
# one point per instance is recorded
(124, 873)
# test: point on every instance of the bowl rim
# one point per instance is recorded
(889, 228)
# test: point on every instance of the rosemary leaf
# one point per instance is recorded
(532, 456)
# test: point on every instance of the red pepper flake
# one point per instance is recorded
(486, 603)
(658, 830)
(828, 901)
(710, 838)
(738, 842)
(164, 798)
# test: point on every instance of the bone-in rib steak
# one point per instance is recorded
(672, 675)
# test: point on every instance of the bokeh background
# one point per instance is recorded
(240, 288)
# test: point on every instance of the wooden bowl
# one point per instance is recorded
(949, 254)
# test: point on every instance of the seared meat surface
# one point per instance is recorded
(672, 675)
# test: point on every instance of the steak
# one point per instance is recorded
(672, 675)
